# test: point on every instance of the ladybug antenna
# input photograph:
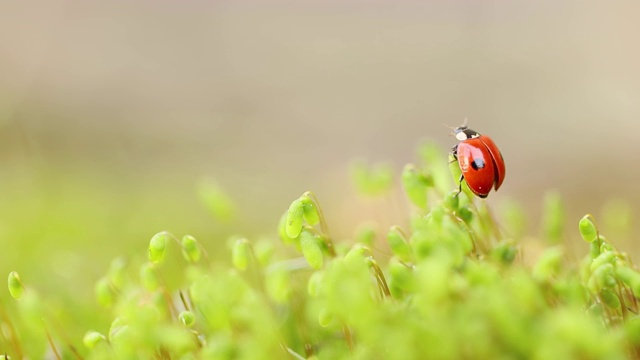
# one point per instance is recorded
(452, 128)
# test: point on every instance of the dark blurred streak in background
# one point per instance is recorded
(139, 99)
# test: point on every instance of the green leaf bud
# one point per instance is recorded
(240, 254)
(92, 338)
(609, 298)
(309, 209)
(190, 249)
(310, 249)
(588, 229)
(604, 258)
(104, 293)
(187, 318)
(295, 217)
(16, 288)
(157, 247)
(148, 277)
(282, 230)
(504, 253)
(602, 277)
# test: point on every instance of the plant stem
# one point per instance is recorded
(323, 223)
(14, 336)
(50, 340)
(382, 282)
(348, 337)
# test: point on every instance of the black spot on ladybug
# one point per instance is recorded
(477, 164)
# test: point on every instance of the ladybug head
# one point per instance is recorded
(464, 133)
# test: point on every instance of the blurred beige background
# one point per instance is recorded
(111, 110)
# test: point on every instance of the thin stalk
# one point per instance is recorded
(50, 340)
(348, 337)
(14, 335)
(382, 282)
(184, 301)
(323, 223)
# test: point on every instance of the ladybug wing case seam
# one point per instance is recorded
(497, 158)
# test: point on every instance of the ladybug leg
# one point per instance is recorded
(454, 152)
(459, 186)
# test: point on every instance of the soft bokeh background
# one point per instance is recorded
(110, 112)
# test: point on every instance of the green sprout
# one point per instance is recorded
(16, 288)
(588, 229)
(92, 338)
(309, 243)
(453, 280)
(191, 249)
(295, 218)
(241, 254)
(187, 318)
(157, 246)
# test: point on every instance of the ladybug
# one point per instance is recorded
(480, 161)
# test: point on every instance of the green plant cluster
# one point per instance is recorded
(455, 284)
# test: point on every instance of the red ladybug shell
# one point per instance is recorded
(481, 163)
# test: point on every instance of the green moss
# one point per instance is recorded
(450, 285)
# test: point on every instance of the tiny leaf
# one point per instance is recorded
(157, 247)
(93, 338)
(295, 217)
(191, 249)
(588, 229)
(310, 249)
(309, 209)
(240, 254)
(187, 318)
(16, 288)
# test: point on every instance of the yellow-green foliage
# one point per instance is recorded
(451, 285)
